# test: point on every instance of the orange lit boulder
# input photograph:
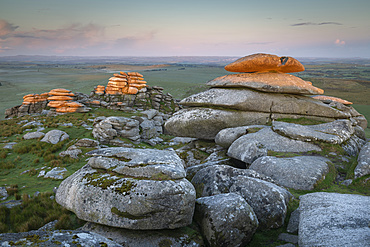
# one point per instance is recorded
(100, 89)
(34, 98)
(60, 98)
(61, 92)
(123, 83)
(261, 62)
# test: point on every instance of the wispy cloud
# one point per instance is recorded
(316, 23)
(6, 28)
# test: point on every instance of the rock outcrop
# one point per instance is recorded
(146, 128)
(130, 188)
(268, 200)
(61, 101)
(260, 97)
(124, 83)
(125, 91)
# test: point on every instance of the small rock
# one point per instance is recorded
(3, 193)
(150, 114)
(293, 222)
(86, 142)
(55, 136)
(9, 145)
(346, 182)
(41, 174)
(56, 173)
(33, 135)
(36, 194)
(363, 166)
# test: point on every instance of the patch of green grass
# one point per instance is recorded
(34, 213)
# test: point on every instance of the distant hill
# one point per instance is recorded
(206, 60)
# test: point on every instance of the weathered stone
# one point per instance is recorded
(251, 146)
(72, 152)
(293, 222)
(148, 129)
(225, 219)
(3, 193)
(181, 140)
(265, 62)
(269, 201)
(53, 238)
(255, 101)
(86, 142)
(248, 151)
(139, 163)
(108, 128)
(227, 136)
(184, 236)
(33, 135)
(56, 173)
(332, 219)
(120, 201)
(55, 136)
(353, 145)
(150, 114)
(335, 132)
(9, 145)
(267, 82)
(205, 123)
(300, 172)
(363, 166)
(192, 170)
(214, 180)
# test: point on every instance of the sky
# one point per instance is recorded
(310, 28)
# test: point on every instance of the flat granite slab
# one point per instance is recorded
(332, 219)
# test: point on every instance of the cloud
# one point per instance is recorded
(316, 24)
(6, 28)
(339, 42)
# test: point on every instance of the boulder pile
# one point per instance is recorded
(34, 98)
(62, 101)
(123, 83)
(260, 93)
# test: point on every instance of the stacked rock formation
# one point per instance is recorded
(123, 83)
(34, 98)
(260, 93)
(61, 100)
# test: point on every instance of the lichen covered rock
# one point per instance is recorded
(129, 192)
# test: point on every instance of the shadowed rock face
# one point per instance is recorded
(265, 62)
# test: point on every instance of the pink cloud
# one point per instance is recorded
(6, 28)
(339, 42)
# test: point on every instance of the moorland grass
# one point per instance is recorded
(34, 213)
